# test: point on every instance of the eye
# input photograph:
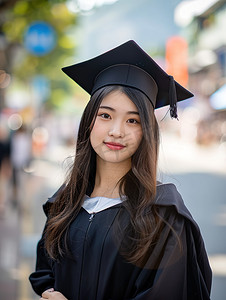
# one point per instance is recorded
(133, 121)
(105, 116)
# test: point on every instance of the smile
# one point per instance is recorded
(114, 146)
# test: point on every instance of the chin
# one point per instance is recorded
(116, 158)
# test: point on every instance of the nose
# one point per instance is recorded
(117, 130)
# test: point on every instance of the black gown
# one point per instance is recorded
(95, 269)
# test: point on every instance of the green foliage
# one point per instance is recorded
(27, 65)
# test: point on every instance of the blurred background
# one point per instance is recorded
(40, 110)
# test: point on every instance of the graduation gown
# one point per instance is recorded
(96, 270)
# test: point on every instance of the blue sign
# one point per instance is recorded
(40, 38)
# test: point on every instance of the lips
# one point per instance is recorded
(114, 146)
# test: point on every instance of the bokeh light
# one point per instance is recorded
(15, 121)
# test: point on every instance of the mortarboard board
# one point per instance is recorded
(129, 65)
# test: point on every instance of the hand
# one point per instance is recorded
(52, 295)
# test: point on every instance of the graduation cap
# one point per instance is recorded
(129, 65)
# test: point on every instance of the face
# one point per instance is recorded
(117, 131)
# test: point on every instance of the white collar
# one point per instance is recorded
(97, 204)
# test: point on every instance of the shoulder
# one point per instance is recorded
(46, 206)
(172, 206)
(167, 196)
(173, 209)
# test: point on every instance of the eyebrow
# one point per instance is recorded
(112, 109)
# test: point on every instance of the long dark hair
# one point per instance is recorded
(138, 185)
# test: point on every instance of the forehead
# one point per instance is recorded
(118, 100)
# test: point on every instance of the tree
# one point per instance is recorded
(17, 60)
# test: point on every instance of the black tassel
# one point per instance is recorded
(173, 98)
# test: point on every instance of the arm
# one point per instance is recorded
(42, 279)
(182, 269)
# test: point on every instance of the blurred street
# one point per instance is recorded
(21, 224)
(40, 110)
(203, 192)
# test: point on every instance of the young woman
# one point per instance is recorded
(113, 231)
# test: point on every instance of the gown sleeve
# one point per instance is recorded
(43, 277)
(182, 270)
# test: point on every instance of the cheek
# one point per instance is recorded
(96, 133)
(139, 138)
(92, 137)
(134, 138)
(137, 135)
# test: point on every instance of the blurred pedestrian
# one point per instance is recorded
(4, 166)
(113, 231)
(20, 158)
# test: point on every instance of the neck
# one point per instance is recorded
(108, 176)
